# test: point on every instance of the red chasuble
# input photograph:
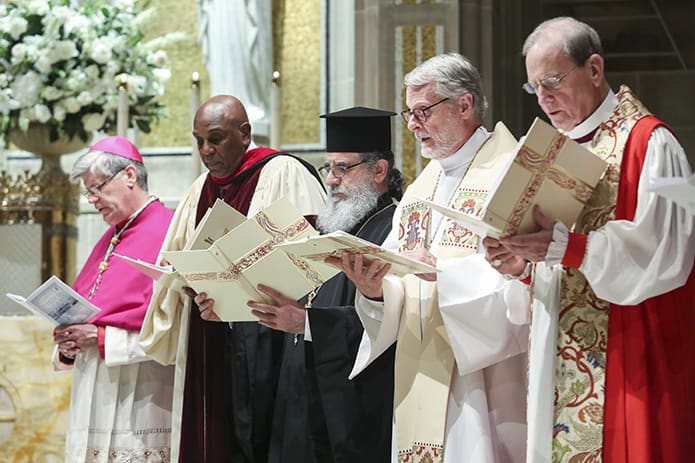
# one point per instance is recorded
(649, 411)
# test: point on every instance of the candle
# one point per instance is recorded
(195, 104)
(275, 111)
(122, 116)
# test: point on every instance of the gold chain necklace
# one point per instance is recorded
(112, 244)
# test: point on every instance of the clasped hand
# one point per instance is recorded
(509, 255)
(73, 339)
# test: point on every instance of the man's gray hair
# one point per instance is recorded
(106, 164)
(579, 39)
(454, 76)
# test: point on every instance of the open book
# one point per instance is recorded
(547, 169)
(217, 222)
(57, 303)
(232, 267)
(153, 271)
(680, 190)
(319, 247)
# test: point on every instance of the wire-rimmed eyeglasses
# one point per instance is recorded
(548, 83)
(95, 191)
(337, 170)
(420, 113)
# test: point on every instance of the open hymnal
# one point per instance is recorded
(545, 168)
(319, 247)
(232, 267)
(217, 222)
(57, 303)
(680, 190)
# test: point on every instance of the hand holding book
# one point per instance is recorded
(546, 169)
(319, 248)
(57, 303)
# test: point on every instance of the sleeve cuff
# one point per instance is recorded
(558, 245)
(524, 277)
(576, 249)
(101, 338)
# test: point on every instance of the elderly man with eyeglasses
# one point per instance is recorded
(121, 400)
(460, 363)
(612, 353)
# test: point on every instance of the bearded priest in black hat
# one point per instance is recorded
(320, 415)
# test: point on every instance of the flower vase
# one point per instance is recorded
(37, 140)
(48, 198)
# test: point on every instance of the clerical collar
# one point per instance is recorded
(222, 181)
(591, 123)
(465, 154)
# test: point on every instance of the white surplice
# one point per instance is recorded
(120, 405)
(626, 262)
(486, 410)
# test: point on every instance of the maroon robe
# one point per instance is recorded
(231, 375)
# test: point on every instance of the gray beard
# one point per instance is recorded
(346, 213)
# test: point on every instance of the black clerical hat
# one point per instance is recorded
(358, 130)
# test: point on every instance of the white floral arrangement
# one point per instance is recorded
(61, 62)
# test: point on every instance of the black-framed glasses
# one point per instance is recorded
(95, 191)
(337, 170)
(420, 113)
(548, 83)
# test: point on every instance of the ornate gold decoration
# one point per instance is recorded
(298, 43)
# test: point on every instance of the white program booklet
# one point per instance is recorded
(58, 303)
(153, 271)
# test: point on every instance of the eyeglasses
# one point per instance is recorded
(337, 170)
(420, 113)
(95, 191)
(548, 83)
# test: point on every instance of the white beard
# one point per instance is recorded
(446, 143)
(344, 214)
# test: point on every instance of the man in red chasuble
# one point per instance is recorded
(612, 353)
(226, 373)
